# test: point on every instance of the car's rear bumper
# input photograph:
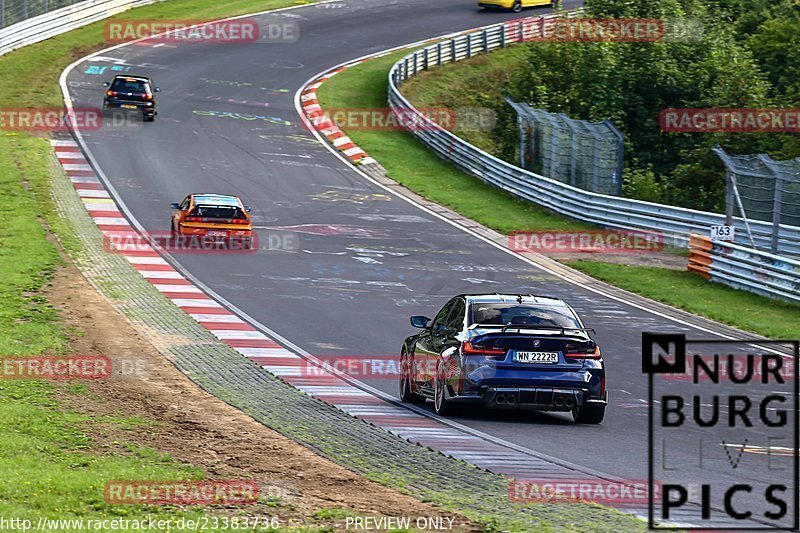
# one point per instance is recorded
(540, 398)
(534, 398)
(504, 4)
(147, 107)
(549, 390)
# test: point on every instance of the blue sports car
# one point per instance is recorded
(506, 351)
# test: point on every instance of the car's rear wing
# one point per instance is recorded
(505, 327)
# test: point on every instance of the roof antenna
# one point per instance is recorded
(519, 299)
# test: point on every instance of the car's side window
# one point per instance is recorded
(185, 204)
(441, 317)
(455, 320)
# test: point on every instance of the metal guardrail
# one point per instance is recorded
(677, 223)
(745, 268)
(61, 20)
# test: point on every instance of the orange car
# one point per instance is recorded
(213, 217)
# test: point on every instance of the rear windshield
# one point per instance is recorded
(521, 314)
(130, 86)
(217, 211)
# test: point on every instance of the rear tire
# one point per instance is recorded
(406, 396)
(517, 6)
(589, 414)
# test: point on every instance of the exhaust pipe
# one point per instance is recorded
(511, 400)
(500, 398)
(569, 402)
(559, 401)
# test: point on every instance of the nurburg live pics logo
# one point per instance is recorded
(723, 445)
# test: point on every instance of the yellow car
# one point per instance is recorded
(515, 5)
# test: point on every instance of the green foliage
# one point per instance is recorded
(747, 55)
(640, 182)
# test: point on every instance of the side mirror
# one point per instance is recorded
(157, 89)
(247, 208)
(175, 206)
(106, 84)
(420, 321)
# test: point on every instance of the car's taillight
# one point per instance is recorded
(590, 353)
(111, 93)
(239, 221)
(194, 219)
(475, 349)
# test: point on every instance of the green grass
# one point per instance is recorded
(408, 162)
(333, 513)
(476, 83)
(28, 325)
(46, 462)
(412, 164)
(686, 290)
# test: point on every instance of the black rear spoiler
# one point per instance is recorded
(506, 327)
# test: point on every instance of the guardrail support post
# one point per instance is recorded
(777, 201)
(439, 54)
(503, 35)
(776, 214)
(469, 46)
(452, 50)
(485, 41)
(427, 59)
(416, 55)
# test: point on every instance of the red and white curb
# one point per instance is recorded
(315, 118)
(271, 356)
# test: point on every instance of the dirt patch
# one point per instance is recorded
(196, 428)
(672, 261)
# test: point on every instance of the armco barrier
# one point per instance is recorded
(745, 268)
(677, 223)
(62, 20)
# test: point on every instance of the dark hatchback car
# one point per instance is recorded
(135, 93)
(505, 352)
